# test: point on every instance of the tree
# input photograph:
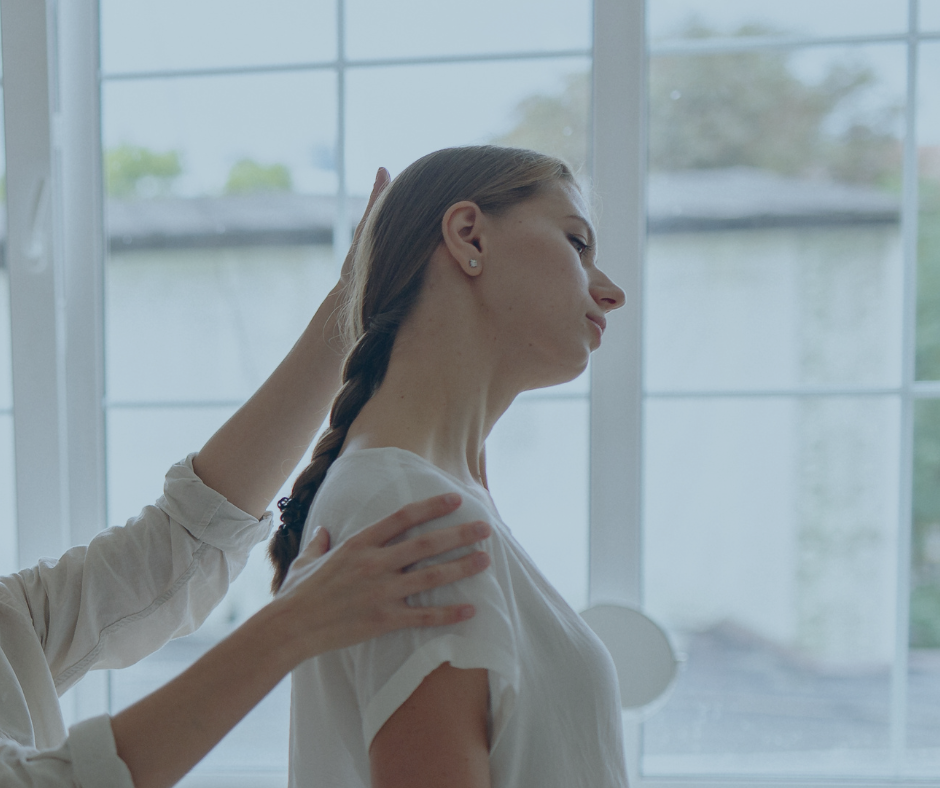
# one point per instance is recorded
(556, 125)
(249, 177)
(734, 109)
(132, 171)
(749, 108)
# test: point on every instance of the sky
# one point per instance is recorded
(396, 114)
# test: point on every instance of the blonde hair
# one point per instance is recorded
(400, 236)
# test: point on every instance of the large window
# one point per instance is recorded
(791, 230)
(753, 457)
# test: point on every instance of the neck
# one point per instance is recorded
(440, 398)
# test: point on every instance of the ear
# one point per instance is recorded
(462, 228)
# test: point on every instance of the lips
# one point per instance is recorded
(599, 320)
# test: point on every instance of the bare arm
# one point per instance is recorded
(438, 736)
(353, 593)
(255, 451)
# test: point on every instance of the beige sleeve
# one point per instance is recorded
(134, 588)
(88, 759)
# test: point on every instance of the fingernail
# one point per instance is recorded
(481, 560)
(466, 612)
(452, 499)
(482, 530)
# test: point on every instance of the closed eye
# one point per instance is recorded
(580, 246)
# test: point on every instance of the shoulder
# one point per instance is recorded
(364, 486)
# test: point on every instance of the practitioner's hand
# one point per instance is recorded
(357, 591)
(382, 179)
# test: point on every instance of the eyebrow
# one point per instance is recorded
(587, 226)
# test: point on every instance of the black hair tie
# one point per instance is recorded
(290, 511)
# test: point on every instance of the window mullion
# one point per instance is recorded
(619, 180)
(82, 190)
(54, 249)
(35, 279)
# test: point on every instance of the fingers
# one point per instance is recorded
(442, 574)
(408, 517)
(435, 616)
(436, 542)
(382, 179)
(317, 547)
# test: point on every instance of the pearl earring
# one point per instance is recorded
(474, 264)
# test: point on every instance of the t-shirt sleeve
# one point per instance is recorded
(385, 671)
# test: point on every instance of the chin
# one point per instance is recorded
(559, 375)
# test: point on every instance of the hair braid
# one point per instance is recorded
(362, 374)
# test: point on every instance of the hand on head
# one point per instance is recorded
(382, 179)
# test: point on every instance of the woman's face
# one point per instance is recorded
(546, 295)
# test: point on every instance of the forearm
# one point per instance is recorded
(164, 735)
(254, 452)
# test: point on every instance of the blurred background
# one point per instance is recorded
(791, 324)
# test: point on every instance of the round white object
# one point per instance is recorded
(643, 655)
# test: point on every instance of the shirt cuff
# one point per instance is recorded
(207, 514)
(95, 762)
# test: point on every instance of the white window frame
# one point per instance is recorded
(55, 259)
(55, 254)
(621, 54)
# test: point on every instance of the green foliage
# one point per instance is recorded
(733, 109)
(928, 281)
(556, 125)
(132, 171)
(925, 543)
(750, 109)
(249, 177)
(925, 616)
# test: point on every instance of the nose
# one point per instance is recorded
(605, 293)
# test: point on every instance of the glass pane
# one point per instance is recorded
(542, 105)
(207, 324)
(930, 15)
(220, 135)
(143, 35)
(928, 225)
(143, 442)
(924, 661)
(774, 256)
(422, 28)
(770, 553)
(695, 18)
(537, 469)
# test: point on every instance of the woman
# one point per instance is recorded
(133, 588)
(475, 280)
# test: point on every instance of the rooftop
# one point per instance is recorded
(692, 201)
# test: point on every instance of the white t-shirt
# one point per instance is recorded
(555, 716)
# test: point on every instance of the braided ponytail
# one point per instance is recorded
(362, 374)
(400, 235)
